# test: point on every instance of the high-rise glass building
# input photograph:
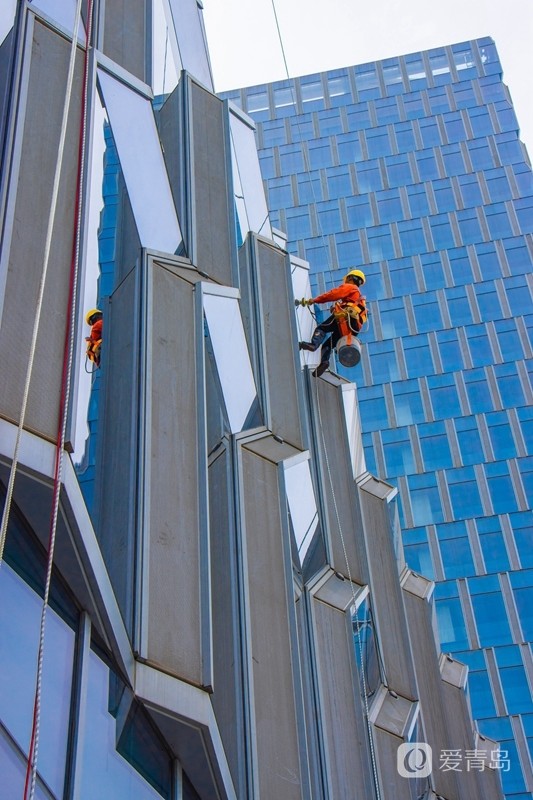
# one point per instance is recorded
(203, 589)
(412, 169)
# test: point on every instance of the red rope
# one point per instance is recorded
(63, 405)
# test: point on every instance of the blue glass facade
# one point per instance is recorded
(412, 168)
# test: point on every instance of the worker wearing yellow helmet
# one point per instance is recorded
(349, 304)
(94, 318)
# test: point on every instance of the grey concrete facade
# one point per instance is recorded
(237, 570)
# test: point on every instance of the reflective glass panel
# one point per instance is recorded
(457, 557)
(425, 499)
(450, 351)
(479, 344)
(393, 318)
(469, 440)
(501, 488)
(491, 619)
(190, 37)
(418, 356)
(516, 689)
(302, 505)
(330, 122)
(226, 329)
(103, 771)
(478, 391)
(250, 199)
(372, 407)
(349, 147)
(427, 312)
(366, 649)
(141, 159)
(435, 446)
(392, 75)
(452, 628)
(13, 770)
(20, 615)
(492, 543)
(408, 403)
(480, 694)
(464, 493)
(398, 453)
(61, 11)
(164, 50)
(501, 435)
(383, 361)
(522, 526)
(7, 18)
(412, 237)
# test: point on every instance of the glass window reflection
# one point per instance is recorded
(302, 505)
(141, 159)
(229, 346)
(20, 614)
(104, 772)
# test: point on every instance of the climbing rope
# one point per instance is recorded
(31, 770)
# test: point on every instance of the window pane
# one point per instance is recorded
(20, 614)
(480, 694)
(452, 628)
(491, 619)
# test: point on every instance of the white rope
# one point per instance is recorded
(64, 402)
(358, 627)
(46, 261)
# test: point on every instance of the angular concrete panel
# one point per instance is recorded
(342, 726)
(271, 268)
(46, 77)
(387, 597)
(174, 526)
(125, 33)
(227, 697)
(275, 691)
(345, 537)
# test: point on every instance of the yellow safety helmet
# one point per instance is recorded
(355, 273)
(90, 314)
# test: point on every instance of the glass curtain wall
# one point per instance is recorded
(413, 170)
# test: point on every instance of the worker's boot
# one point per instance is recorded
(325, 355)
(322, 367)
(316, 341)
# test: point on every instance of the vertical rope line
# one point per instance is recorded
(40, 297)
(31, 771)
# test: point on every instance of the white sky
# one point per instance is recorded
(319, 35)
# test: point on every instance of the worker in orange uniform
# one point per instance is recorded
(94, 318)
(349, 309)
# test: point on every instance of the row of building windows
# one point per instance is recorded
(452, 270)
(126, 760)
(442, 311)
(406, 237)
(490, 597)
(358, 141)
(330, 187)
(432, 72)
(463, 441)
(469, 347)
(424, 178)
(471, 547)
(437, 397)
(466, 492)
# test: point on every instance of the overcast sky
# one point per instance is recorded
(319, 35)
